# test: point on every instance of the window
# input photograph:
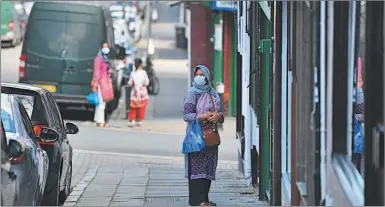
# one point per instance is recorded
(26, 121)
(76, 37)
(7, 114)
(56, 114)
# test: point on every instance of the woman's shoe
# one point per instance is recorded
(131, 124)
(214, 204)
(139, 124)
(206, 204)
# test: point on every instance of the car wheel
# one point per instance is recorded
(64, 193)
(51, 198)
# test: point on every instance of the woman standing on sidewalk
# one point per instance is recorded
(201, 166)
(101, 83)
(139, 95)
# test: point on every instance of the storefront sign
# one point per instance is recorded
(218, 41)
(224, 5)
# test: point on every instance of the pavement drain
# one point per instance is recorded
(79, 189)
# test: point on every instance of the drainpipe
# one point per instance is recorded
(284, 118)
(351, 49)
(329, 98)
(188, 34)
(323, 98)
(245, 105)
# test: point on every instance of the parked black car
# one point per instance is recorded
(44, 112)
(29, 161)
(9, 184)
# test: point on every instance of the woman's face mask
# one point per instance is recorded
(105, 50)
(200, 80)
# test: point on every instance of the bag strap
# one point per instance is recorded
(212, 101)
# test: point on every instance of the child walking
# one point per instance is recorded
(139, 95)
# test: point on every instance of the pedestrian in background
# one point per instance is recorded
(358, 158)
(139, 95)
(101, 83)
(201, 166)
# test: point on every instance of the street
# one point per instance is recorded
(121, 166)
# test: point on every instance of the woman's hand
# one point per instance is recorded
(94, 85)
(109, 71)
(202, 117)
(214, 116)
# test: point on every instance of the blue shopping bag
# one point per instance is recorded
(193, 142)
(93, 98)
(358, 138)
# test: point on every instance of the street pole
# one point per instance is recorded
(148, 22)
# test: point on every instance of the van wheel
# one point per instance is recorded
(51, 198)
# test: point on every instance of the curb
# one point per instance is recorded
(79, 189)
(181, 158)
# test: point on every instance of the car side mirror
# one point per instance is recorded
(48, 135)
(71, 128)
(15, 151)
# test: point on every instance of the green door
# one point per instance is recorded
(265, 49)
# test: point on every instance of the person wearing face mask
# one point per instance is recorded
(202, 102)
(101, 83)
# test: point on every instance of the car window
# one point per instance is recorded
(4, 142)
(26, 121)
(6, 114)
(56, 113)
(28, 103)
(70, 40)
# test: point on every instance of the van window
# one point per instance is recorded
(67, 40)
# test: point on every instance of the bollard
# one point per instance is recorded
(127, 93)
(220, 88)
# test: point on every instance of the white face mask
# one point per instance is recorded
(200, 80)
(105, 50)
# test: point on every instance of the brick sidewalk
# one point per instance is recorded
(154, 186)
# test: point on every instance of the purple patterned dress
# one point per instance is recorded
(203, 164)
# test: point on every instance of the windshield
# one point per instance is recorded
(6, 114)
(68, 40)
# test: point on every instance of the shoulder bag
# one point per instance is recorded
(211, 135)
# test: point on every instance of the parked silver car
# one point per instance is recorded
(9, 185)
(28, 160)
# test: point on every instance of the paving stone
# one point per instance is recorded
(175, 201)
(131, 202)
(92, 204)
(146, 185)
(72, 198)
(69, 203)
